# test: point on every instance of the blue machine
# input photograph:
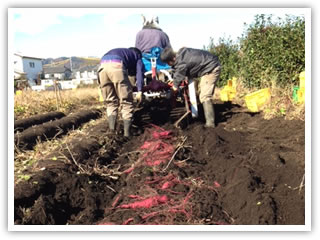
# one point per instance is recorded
(154, 53)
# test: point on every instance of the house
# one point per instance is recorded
(19, 75)
(58, 72)
(31, 67)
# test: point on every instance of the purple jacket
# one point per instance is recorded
(131, 61)
(149, 38)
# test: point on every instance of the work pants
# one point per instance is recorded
(208, 83)
(116, 89)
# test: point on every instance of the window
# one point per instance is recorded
(31, 64)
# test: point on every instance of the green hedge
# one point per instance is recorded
(228, 53)
(267, 51)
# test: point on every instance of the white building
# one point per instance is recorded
(31, 66)
(59, 72)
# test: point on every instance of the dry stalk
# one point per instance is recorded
(16, 148)
(55, 91)
(301, 184)
(60, 99)
(112, 173)
(76, 163)
(178, 147)
(111, 188)
(229, 217)
(58, 133)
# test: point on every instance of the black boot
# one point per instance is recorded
(112, 123)
(209, 113)
(127, 126)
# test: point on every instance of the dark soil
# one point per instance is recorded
(247, 170)
(49, 130)
(22, 124)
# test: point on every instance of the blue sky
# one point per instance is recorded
(56, 32)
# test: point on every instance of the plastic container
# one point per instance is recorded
(228, 92)
(295, 93)
(302, 79)
(100, 95)
(234, 82)
(300, 94)
(256, 100)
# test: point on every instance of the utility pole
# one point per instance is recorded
(71, 64)
(71, 67)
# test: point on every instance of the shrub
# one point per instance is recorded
(267, 53)
(228, 53)
(273, 51)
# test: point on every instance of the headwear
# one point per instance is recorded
(150, 20)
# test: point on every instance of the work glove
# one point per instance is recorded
(170, 82)
(139, 97)
(174, 89)
(174, 94)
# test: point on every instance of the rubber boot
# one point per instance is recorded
(112, 123)
(209, 114)
(127, 126)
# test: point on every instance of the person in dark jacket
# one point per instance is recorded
(151, 35)
(195, 63)
(115, 66)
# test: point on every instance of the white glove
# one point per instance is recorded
(139, 97)
(174, 89)
(170, 82)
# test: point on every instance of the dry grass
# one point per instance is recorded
(27, 159)
(281, 104)
(30, 102)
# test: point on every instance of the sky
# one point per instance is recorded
(57, 32)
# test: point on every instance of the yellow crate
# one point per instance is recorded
(256, 100)
(227, 93)
(300, 94)
(234, 82)
(302, 79)
(100, 95)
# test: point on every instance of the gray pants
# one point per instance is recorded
(208, 83)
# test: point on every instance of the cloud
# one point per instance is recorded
(33, 21)
(113, 16)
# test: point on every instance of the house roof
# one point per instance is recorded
(19, 71)
(59, 69)
(89, 68)
(24, 56)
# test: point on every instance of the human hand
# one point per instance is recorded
(139, 97)
(170, 82)
(174, 89)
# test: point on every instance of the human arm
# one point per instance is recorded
(180, 74)
(139, 75)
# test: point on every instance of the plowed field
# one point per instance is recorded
(246, 171)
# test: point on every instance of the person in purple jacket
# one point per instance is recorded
(115, 66)
(151, 35)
